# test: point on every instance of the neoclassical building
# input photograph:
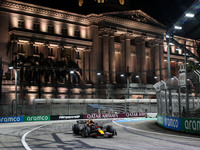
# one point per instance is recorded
(111, 49)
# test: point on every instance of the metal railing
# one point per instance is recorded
(185, 100)
(82, 106)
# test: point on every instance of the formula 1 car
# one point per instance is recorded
(86, 129)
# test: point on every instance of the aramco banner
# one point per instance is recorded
(160, 120)
(190, 125)
(36, 118)
(11, 119)
(172, 123)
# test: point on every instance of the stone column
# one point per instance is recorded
(105, 32)
(105, 58)
(143, 62)
(86, 67)
(95, 53)
(123, 53)
(58, 55)
(73, 52)
(128, 51)
(29, 50)
(45, 50)
(162, 65)
(141, 59)
(112, 73)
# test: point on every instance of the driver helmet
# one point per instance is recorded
(91, 121)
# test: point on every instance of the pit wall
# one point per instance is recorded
(68, 117)
(190, 125)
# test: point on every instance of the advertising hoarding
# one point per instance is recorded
(36, 118)
(66, 117)
(11, 119)
(172, 123)
(160, 120)
(190, 125)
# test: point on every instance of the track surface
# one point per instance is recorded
(137, 135)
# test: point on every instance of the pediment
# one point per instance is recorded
(135, 15)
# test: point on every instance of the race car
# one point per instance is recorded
(91, 129)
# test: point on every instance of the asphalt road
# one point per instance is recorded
(137, 135)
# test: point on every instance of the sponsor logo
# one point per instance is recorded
(11, 119)
(171, 122)
(110, 115)
(160, 120)
(99, 116)
(69, 117)
(36, 118)
(136, 114)
(192, 125)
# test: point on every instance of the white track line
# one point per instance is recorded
(155, 132)
(23, 140)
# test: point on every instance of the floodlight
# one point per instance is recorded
(71, 72)
(177, 27)
(189, 15)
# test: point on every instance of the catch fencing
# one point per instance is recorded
(179, 100)
(83, 106)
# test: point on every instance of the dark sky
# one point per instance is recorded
(164, 11)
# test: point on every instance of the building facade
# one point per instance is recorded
(113, 52)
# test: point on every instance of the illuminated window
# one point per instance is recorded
(35, 50)
(36, 26)
(50, 29)
(64, 31)
(50, 51)
(20, 48)
(21, 24)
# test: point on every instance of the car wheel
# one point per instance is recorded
(76, 129)
(84, 133)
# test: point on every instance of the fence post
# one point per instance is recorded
(50, 107)
(150, 105)
(33, 108)
(68, 107)
(125, 105)
(179, 97)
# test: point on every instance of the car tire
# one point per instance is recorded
(76, 129)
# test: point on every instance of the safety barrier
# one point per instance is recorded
(67, 117)
(191, 125)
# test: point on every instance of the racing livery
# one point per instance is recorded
(91, 129)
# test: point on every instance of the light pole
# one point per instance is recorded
(15, 70)
(128, 74)
(186, 88)
(169, 76)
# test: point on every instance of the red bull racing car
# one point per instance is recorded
(91, 129)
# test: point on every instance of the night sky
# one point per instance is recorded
(165, 11)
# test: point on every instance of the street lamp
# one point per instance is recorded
(127, 75)
(15, 70)
(169, 76)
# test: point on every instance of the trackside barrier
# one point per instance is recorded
(70, 117)
(11, 119)
(36, 118)
(190, 125)
(113, 115)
